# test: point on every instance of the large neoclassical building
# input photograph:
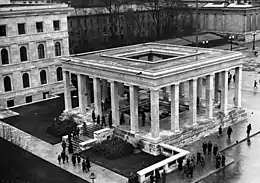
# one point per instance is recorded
(32, 37)
(184, 86)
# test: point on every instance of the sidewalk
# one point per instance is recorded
(239, 134)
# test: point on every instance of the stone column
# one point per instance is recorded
(238, 85)
(224, 91)
(133, 90)
(67, 92)
(97, 96)
(199, 87)
(155, 121)
(193, 101)
(115, 103)
(82, 92)
(175, 126)
(182, 89)
(216, 88)
(209, 96)
(88, 91)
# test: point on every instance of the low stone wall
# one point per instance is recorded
(103, 134)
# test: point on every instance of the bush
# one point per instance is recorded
(113, 148)
(61, 128)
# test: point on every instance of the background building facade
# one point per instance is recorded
(31, 38)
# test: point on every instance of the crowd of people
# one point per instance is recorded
(157, 177)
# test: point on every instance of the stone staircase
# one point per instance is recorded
(75, 142)
(91, 129)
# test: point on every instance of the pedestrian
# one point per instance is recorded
(234, 78)
(191, 168)
(78, 158)
(229, 131)
(83, 166)
(202, 160)
(103, 121)
(255, 85)
(220, 130)
(88, 164)
(93, 116)
(188, 162)
(78, 131)
(198, 102)
(143, 118)
(209, 147)
(73, 159)
(59, 159)
(180, 162)
(204, 147)
(63, 144)
(63, 156)
(215, 150)
(218, 160)
(193, 159)
(248, 130)
(223, 159)
(67, 158)
(198, 157)
(152, 178)
(98, 119)
(163, 177)
(157, 175)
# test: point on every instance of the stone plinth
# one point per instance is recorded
(103, 134)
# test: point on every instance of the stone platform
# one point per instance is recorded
(6, 113)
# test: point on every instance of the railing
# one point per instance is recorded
(169, 164)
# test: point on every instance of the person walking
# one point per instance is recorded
(152, 178)
(78, 158)
(209, 147)
(163, 177)
(198, 157)
(83, 164)
(73, 159)
(220, 130)
(191, 168)
(157, 175)
(88, 164)
(98, 120)
(204, 147)
(67, 158)
(215, 150)
(218, 160)
(103, 121)
(255, 85)
(223, 159)
(180, 162)
(63, 144)
(63, 156)
(93, 116)
(59, 159)
(202, 160)
(248, 130)
(229, 131)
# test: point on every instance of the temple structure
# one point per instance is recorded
(159, 69)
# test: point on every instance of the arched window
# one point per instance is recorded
(7, 84)
(23, 53)
(43, 77)
(57, 49)
(59, 74)
(40, 51)
(26, 80)
(4, 56)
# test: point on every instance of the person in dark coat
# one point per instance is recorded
(215, 150)
(88, 164)
(110, 119)
(191, 168)
(220, 130)
(59, 158)
(198, 157)
(163, 177)
(103, 121)
(255, 85)
(78, 158)
(218, 160)
(157, 175)
(73, 159)
(83, 164)
(180, 162)
(143, 118)
(151, 178)
(223, 159)
(63, 156)
(204, 147)
(234, 78)
(98, 120)
(93, 116)
(229, 131)
(188, 162)
(248, 130)
(63, 144)
(67, 158)
(209, 147)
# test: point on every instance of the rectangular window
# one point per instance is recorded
(2, 30)
(10, 103)
(39, 27)
(28, 99)
(45, 95)
(21, 28)
(56, 25)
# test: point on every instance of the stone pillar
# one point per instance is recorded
(209, 96)
(133, 90)
(216, 88)
(155, 121)
(115, 103)
(193, 101)
(175, 126)
(224, 91)
(199, 87)
(97, 96)
(238, 85)
(67, 92)
(88, 91)
(182, 89)
(82, 92)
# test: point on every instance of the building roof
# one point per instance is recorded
(176, 41)
(204, 37)
(179, 59)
